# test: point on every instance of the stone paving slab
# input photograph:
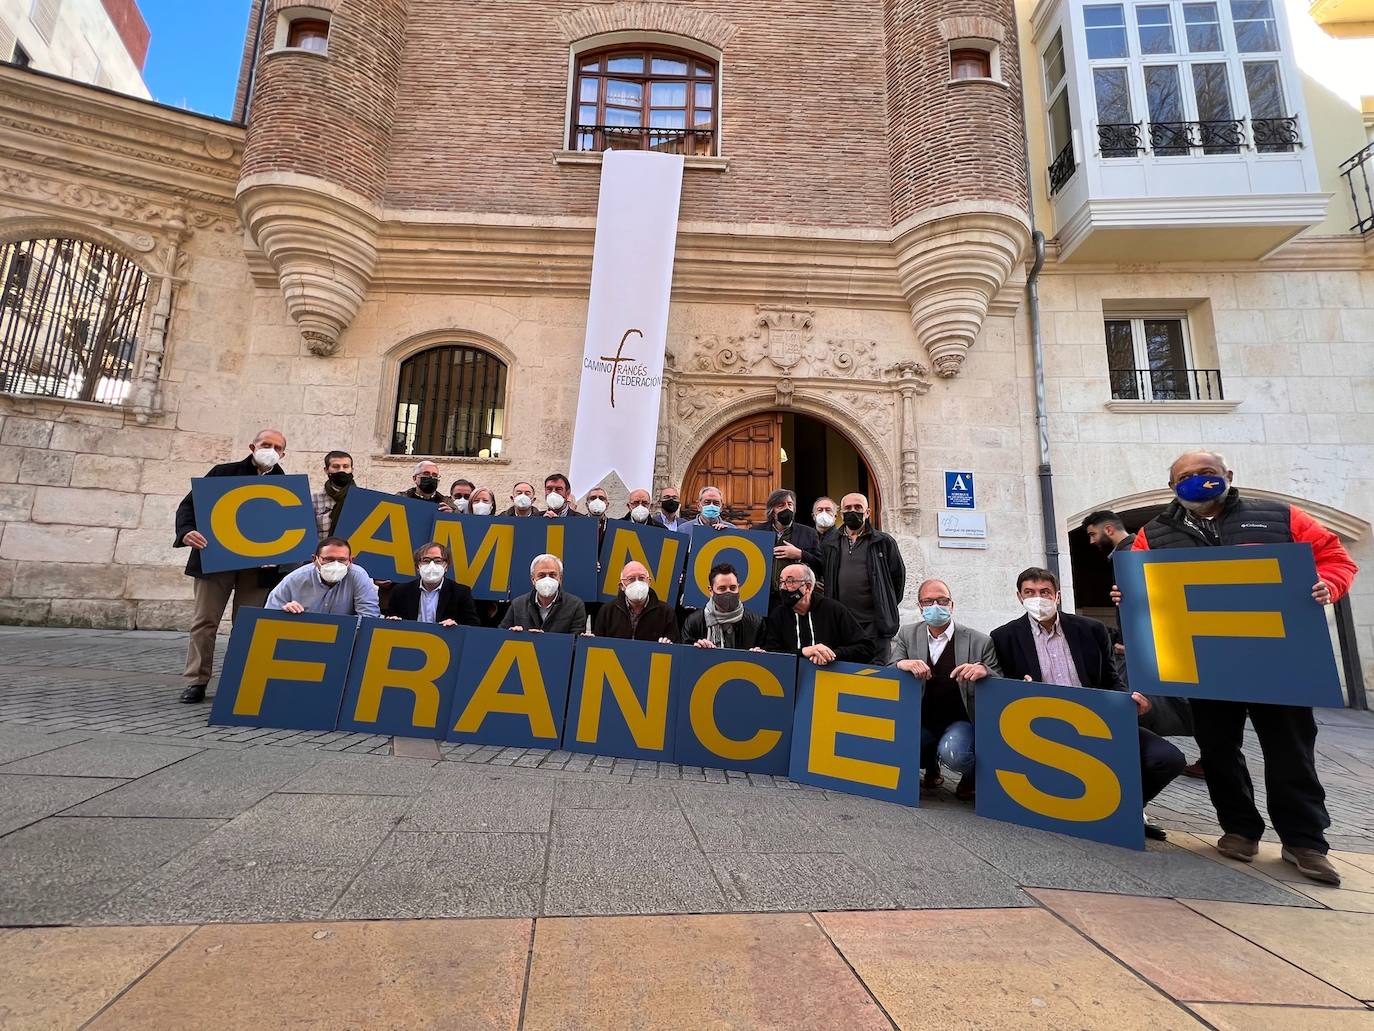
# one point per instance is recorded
(28, 799)
(1283, 1018)
(757, 972)
(103, 758)
(60, 977)
(1192, 958)
(400, 974)
(61, 869)
(970, 970)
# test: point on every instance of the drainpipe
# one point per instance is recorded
(1042, 419)
(253, 62)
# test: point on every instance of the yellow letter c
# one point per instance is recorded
(703, 710)
(224, 521)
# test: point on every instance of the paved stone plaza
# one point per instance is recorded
(126, 823)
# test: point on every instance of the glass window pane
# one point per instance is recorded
(1167, 361)
(702, 119)
(589, 89)
(627, 94)
(1164, 100)
(1054, 62)
(1106, 27)
(668, 65)
(1256, 31)
(1113, 96)
(622, 116)
(705, 94)
(705, 70)
(1204, 28)
(1212, 91)
(1264, 89)
(586, 114)
(668, 94)
(1060, 125)
(591, 64)
(668, 119)
(1156, 30)
(1121, 360)
(626, 63)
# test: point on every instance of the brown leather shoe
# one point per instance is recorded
(1311, 864)
(1238, 846)
(1194, 770)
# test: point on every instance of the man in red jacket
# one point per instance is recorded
(1208, 512)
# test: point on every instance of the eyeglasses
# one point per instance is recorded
(934, 601)
(791, 582)
(634, 580)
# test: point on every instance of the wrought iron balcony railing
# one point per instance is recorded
(1358, 171)
(635, 137)
(1062, 168)
(1172, 139)
(1222, 136)
(1275, 135)
(1119, 140)
(1166, 384)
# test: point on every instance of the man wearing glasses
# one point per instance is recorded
(812, 625)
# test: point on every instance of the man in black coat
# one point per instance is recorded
(433, 598)
(811, 625)
(247, 587)
(864, 571)
(796, 542)
(637, 614)
(1052, 647)
(547, 609)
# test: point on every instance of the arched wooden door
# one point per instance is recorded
(745, 461)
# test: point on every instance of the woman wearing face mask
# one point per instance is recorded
(724, 622)
(433, 597)
(482, 502)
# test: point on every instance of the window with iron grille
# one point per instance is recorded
(644, 99)
(451, 400)
(70, 314)
(1150, 358)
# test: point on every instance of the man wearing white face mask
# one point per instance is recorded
(823, 517)
(433, 598)
(213, 590)
(637, 507)
(460, 494)
(1052, 647)
(522, 500)
(558, 497)
(637, 614)
(546, 609)
(331, 585)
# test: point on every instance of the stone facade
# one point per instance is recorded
(289, 296)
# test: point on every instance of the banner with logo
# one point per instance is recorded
(1235, 623)
(253, 521)
(627, 318)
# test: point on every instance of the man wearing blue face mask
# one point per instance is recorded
(1209, 512)
(710, 506)
(949, 660)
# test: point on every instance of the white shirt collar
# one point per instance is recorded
(947, 635)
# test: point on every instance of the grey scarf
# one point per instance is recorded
(716, 622)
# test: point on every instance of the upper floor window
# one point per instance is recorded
(970, 63)
(1150, 358)
(650, 99)
(70, 313)
(1256, 30)
(451, 400)
(308, 34)
(1106, 29)
(1060, 120)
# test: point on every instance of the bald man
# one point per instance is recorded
(637, 614)
(1208, 512)
(864, 571)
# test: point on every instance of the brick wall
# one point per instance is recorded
(952, 141)
(330, 116)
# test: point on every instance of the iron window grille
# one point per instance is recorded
(450, 400)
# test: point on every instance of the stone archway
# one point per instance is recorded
(762, 451)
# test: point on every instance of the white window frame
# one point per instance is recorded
(1183, 59)
(1140, 355)
(1053, 93)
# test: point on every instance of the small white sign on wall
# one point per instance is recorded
(964, 525)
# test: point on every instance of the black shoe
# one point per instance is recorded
(1155, 832)
(194, 693)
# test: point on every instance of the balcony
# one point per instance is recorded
(1166, 384)
(1344, 19)
(1358, 172)
(597, 138)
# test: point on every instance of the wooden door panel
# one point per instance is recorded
(743, 460)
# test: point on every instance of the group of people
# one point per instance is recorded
(834, 596)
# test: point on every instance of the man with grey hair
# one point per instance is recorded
(811, 625)
(711, 508)
(796, 542)
(546, 609)
(1208, 512)
(426, 478)
(864, 570)
(948, 659)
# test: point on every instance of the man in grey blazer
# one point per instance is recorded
(949, 659)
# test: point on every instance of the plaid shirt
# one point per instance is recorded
(324, 508)
(1052, 649)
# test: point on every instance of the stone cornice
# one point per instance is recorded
(71, 128)
(1305, 254)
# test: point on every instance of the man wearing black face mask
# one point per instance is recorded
(811, 625)
(724, 622)
(670, 515)
(796, 542)
(329, 499)
(426, 477)
(864, 571)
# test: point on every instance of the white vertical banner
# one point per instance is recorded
(627, 319)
